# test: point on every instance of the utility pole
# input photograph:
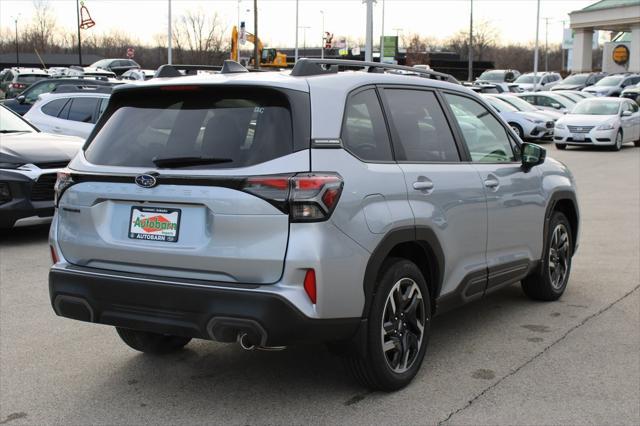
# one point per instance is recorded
(368, 48)
(535, 54)
(470, 53)
(382, 34)
(546, 44)
(169, 37)
(297, 29)
(15, 21)
(79, 41)
(562, 46)
(322, 47)
(256, 54)
(398, 31)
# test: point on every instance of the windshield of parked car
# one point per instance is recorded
(500, 105)
(11, 123)
(519, 104)
(576, 79)
(492, 76)
(610, 81)
(527, 79)
(217, 128)
(596, 107)
(30, 78)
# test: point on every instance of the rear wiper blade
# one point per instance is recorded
(188, 161)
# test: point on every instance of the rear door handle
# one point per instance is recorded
(422, 185)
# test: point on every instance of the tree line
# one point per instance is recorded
(199, 37)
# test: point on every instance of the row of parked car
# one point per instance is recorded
(596, 83)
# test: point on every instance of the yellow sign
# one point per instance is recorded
(621, 54)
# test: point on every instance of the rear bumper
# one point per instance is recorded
(205, 311)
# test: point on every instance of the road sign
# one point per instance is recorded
(130, 53)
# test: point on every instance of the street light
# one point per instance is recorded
(169, 37)
(470, 53)
(15, 21)
(368, 48)
(297, 29)
(535, 53)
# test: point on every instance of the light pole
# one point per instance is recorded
(535, 53)
(398, 31)
(322, 47)
(79, 41)
(296, 51)
(368, 48)
(546, 44)
(382, 32)
(169, 37)
(15, 21)
(255, 33)
(470, 52)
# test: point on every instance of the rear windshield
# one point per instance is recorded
(30, 78)
(238, 127)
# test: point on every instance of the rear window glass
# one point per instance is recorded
(53, 108)
(30, 78)
(238, 127)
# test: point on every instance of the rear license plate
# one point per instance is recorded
(578, 137)
(154, 224)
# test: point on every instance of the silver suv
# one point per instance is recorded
(320, 205)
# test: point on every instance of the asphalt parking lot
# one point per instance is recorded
(503, 360)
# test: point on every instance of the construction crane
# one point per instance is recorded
(269, 57)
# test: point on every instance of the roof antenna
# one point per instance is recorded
(232, 67)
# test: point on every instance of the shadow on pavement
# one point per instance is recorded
(24, 235)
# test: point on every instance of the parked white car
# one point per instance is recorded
(522, 105)
(549, 101)
(73, 113)
(613, 85)
(527, 125)
(600, 121)
(545, 81)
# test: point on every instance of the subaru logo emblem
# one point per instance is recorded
(146, 181)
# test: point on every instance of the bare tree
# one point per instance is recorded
(485, 37)
(199, 38)
(43, 28)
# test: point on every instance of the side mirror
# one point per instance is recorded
(626, 114)
(21, 99)
(532, 154)
(556, 105)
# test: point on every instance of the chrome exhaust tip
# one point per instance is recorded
(245, 342)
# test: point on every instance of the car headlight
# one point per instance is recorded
(560, 126)
(531, 120)
(606, 126)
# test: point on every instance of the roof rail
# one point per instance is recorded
(82, 88)
(308, 67)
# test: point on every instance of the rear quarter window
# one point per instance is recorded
(239, 126)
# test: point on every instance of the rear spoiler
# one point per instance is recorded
(172, 70)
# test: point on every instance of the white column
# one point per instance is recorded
(582, 50)
(634, 49)
(368, 54)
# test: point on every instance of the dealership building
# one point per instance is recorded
(622, 53)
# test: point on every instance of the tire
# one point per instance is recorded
(549, 282)
(518, 129)
(394, 349)
(637, 143)
(152, 343)
(561, 146)
(617, 146)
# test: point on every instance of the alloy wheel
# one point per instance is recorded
(403, 322)
(559, 256)
(619, 141)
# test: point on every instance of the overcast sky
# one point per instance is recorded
(514, 19)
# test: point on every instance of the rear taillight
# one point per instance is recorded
(309, 197)
(63, 182)
(17, 86)
(54, 255)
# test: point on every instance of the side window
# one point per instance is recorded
(423, 131)
(634, 107)
(83, 109)
(39, 89)
(486, 139)
(53, 108)
(529, 99)
(364, 132)
(544, 101)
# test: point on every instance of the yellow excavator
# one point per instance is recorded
(269, 57)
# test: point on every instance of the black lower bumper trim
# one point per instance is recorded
(174, 309)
